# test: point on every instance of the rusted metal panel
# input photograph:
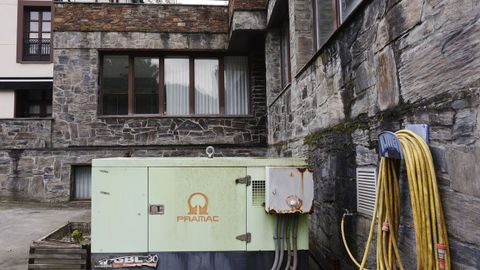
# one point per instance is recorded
(288, 190)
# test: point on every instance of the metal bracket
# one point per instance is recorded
(245, 237)
(389, 145)
(247, 180)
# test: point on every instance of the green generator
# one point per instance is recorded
(200, 213)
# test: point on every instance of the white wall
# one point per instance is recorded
(8, 48)
(7, 104)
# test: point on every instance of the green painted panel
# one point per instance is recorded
(204, 209)
(119, 209)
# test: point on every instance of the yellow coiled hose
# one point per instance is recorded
(431, 241)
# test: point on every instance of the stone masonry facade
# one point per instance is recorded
(37, 155)
(391, 63)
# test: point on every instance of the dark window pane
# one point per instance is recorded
(33, 103)
(146, 85)
(114, 104)
(115, 84)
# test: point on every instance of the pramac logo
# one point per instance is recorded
(197, 209)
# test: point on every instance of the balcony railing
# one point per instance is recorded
(35, 49)
(173, 2)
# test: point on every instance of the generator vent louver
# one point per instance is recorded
(366, 188)
(258, 193)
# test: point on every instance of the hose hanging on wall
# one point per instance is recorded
(431, 239)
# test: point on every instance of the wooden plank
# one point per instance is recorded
(59, 261)
(57, 256)
(55, 266)
(60, 251)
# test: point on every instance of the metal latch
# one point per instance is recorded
(245, 237)
(247, 180)
(157, 209)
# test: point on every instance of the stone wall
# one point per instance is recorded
(45, 175)
(75, 93)
(391, 63)
(25, 133)
(36, 156)
(106, 17)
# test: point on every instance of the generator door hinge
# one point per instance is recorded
(245, 237)
(247, 180)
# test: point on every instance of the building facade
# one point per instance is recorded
(318, 79)
(139, 80)
(341, 72)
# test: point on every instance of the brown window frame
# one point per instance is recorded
(73, 190)
(21, 99)
(162, 88)
(337, 20)
(23, 5)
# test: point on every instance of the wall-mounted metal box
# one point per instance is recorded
(186, 213)
(289, 190)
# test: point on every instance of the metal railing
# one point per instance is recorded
(161, 2)
(36, 49)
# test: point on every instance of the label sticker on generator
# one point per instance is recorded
(128, 262)
(197, 209)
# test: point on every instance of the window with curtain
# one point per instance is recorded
(236, 85)
(177, 79)
(82, 182)
(206, 86)
(328, 16)
(174, 85)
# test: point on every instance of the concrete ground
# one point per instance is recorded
(21, 223)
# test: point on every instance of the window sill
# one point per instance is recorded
(172, 116)
(35, 62)
(28, 118)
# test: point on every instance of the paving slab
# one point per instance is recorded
(23, 222)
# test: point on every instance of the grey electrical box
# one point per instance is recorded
(288, 190)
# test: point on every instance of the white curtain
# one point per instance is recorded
(177, 78)
(83, 182)
(206, 86)
(236, 85)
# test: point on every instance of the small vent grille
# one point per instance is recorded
(366, 189)
(258, 193)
